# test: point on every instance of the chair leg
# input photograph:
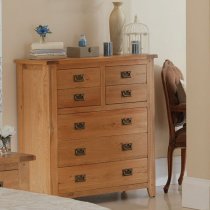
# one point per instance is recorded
(170, 165)
(183, 160)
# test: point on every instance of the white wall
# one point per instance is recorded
(66, 18)
(166, 20)
(69, 18)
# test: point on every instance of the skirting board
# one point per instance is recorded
(162, 170)
(196, 193)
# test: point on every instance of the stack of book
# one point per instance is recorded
(47, 50)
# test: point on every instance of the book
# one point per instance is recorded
(47, 45)
(46, 57)
(48, 51)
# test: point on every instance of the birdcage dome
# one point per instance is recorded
(136, 33)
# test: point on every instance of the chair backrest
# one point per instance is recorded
(171, 79)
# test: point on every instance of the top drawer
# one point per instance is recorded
(116, 75)
(74, 78)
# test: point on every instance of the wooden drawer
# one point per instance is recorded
(126, 93)
(73, 78)
(79, 97)
(103, 123)
(103, 149)
(126, 74)
(9, 179)
(88, 177)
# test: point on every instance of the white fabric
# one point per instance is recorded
(21, 200)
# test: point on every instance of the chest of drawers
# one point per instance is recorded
(14, 170)
(89, 122)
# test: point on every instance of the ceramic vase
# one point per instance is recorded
(116, 24)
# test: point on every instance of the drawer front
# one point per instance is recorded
(9, 179)
(126, 74)
(88, 77)
(104, 123)
(102, 149)
(126, 93)
(88, 177)
(79, 97)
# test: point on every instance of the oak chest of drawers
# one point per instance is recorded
(89, 122)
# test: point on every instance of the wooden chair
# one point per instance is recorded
(175, 98)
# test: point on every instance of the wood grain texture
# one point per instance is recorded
(102, 175)
(151, 128)
(104, 123)
(117, 94)
(36, 124)
(116, 75)
(10, 179)
(87, 77)
(79, 97)
(52, 126)
(14, 170)
(102, 149)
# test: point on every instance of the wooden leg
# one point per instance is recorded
(124, 195)
(183, 160)
(170, 165)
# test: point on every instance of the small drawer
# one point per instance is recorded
(104, 175)
(120, 75)
(126, 93)
(9, 179)
(79, 97)
(89, 151)
(103, 123)
(78, 78)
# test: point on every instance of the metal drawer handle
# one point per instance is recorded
(127, 147)
(80, 151)
(127, 172)
(78, 78)
(79, 126)
(80, 178)
(126, 121)
(126, 93)
(79, 97)
(1, 183)
(125, 74)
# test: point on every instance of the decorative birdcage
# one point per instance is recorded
(136, 38)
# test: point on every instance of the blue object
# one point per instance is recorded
(135, 47)
(82, 41)
(108, 49)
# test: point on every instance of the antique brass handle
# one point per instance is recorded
(80, 151)
(127, 172)
(127, 147)
(1, 183)
(79, 126)
(78, 78)
(125, 74)
(126, 93)
(79, 97)
(126, 121)
(80, 178)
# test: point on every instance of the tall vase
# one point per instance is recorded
(116, 24)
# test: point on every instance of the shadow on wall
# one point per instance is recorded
(161, 123)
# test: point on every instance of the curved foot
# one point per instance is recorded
(180, 180)
(165, 189)
(124, 195)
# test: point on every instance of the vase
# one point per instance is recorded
(5, 146)
(116, 24)
(42, 39)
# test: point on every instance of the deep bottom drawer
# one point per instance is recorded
(89, 177)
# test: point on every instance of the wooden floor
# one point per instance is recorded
(138, 200)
